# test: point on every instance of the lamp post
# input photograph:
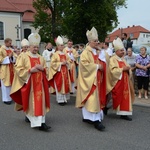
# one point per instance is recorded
(18, 40)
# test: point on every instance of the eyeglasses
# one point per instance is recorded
(96, 41)
(26, 47)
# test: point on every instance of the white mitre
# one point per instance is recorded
(24, 42)
(118, 45)
(34, 39)
(92, 34)
(59, 41)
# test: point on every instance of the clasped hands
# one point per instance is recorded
(145, 68)
(10, 55)
(100, 67)
(36, 68)
(64, 62)
(126, 68)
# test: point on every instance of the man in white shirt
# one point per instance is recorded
(108, 50)
(47, 53)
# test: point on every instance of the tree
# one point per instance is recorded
(82, 15)
(73, 18)
(48, 18)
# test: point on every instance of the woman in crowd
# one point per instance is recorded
(130, 59)
(142, 72)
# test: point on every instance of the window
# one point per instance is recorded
(1, 31)
(27, 32)
(131, 35)
(143, 35)
(147, 35)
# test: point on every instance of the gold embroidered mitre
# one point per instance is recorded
(118, 45)
(92, 34)
(24, 42)
(34, 39)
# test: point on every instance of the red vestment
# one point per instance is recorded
(101, 83)
(120, 93)
(61, 76)
(21, 96)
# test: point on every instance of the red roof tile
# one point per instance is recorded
(28, 16)
(135, 30)
(7, 6)
(20, 6)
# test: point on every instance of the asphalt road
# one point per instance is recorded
(68, 132)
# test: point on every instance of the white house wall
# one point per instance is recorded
(27, 25)
(10, 20)
(144, 38)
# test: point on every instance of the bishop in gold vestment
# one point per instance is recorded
(89, 83)
(59, 77)
(121, 84)
(30, 88)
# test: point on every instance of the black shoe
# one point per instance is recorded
(105, 110)
(62, 104)
(44, 127)
(27, 120)
(126, 118)
(99, 126)
(7, 103)
(87, 121)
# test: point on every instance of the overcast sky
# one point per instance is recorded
(136, 13)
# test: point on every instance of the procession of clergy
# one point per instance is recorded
(28, 81)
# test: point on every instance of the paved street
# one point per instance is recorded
(68, 132)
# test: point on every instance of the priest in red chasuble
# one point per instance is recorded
(59, 77)
(90, 83)
(121, 85)
(30, 88)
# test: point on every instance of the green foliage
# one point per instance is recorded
(74, 17)
(48, 18)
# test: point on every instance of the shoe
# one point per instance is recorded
(87, 121)
(146, 97)
(44, 127)
(139, 97)
(126, 118)
(62, 104)
(99, 126)
(27, 120)
(7, 103)
(105, 110)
